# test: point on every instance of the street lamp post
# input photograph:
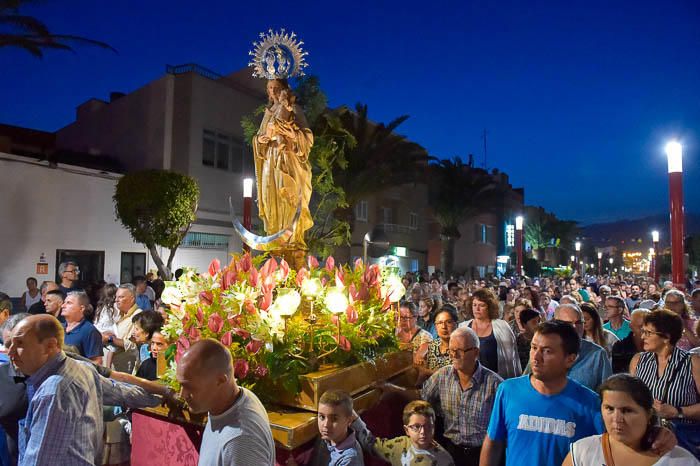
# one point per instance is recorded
(674, 152)
(577, 246)
(600, 260)
(611, 260)
(247, 206)
(655, 256)
(519, 245)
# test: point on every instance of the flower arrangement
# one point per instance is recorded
(280, 323)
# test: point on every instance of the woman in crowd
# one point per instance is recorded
(593, 328)
(519, 306)
(106, 314)
(438, 350)
(31, 296)
(426, 315)
(410, 335)
(529, 320)
(674, 300)
(672, 374)
(533, 296)
(498, 350)
(627, 408)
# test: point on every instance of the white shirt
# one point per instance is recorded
(589, 452)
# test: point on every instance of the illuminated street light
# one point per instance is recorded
(519, 245)
(654, 272)
(247, 206)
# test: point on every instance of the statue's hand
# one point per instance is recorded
(263, 139)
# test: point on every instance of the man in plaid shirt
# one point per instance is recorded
(64, 423)
(463, 393)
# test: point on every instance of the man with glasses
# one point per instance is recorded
(69, 274)
(464, 392)
(591, 366)
(614, 311)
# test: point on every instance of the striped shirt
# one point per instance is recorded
(466, 412)
(64, 422)
(678, 376)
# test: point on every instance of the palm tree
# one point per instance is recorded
(31, 34)
(458, 191)
(380, 158)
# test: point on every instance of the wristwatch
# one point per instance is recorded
(110, 340)
(680, 412)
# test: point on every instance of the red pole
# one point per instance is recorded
(677, 220)
(599, 266)
(655, 263)
(519, 249)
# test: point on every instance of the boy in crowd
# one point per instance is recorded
(417, 447)
(339, 447)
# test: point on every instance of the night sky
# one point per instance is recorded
(578, 98)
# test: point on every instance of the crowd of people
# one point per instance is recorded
(549, 371)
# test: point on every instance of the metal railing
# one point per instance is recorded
(192, 68)
(396, 228)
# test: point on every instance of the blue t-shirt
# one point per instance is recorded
(86, 339)
(538, 429)
(621, 332)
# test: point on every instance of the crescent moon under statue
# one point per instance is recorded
(272, 242)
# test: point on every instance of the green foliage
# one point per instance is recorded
(31, 34)
(157, 207)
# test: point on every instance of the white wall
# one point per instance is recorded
(46, 209)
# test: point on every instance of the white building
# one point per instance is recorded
(66, 213)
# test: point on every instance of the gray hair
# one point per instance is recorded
(131, 288)
(675, 292)
(569, 298)
(573, 307)
(62, 267)
(640, 310)
(12, 322)
(83, 300)
(466, 332)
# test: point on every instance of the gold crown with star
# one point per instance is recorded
(278, 55)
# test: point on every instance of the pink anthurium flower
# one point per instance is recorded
(246, 262)
(206, 298)
(340, 278)
(269, 268)
(330, 263)
(265, 298)
(240, 368)
(253, 277)
(358, 264)
(194, 334)
(241, 333)
(249, 306)
(226, 339)
(200, 316)
(228, 278)
(214, 267)
(343, 343)
(284, 267)
(313, 262)
(254, 346)
(216, 323)
(351, 314)
(301, 275)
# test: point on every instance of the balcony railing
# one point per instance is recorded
(192, 68)
(396, 228)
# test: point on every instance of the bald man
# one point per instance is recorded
(64, 423)
(238, 430)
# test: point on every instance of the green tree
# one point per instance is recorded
(327, 158)
(543, 229)
(380, 158)
(457, 192)
(158, 208)
(31, 34)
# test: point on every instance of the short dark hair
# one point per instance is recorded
(58, 293)
(418, 407)
(570, 340)
(449, 309)
(527, 315)
(631, 385)
(139, 279)
(149, 321)
(667, 322)
(337, 398)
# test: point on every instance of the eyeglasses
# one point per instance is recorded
(76, 271)
(407, 317)
(415, 428)
(444, 323)
(648, 333)
(458, 353)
